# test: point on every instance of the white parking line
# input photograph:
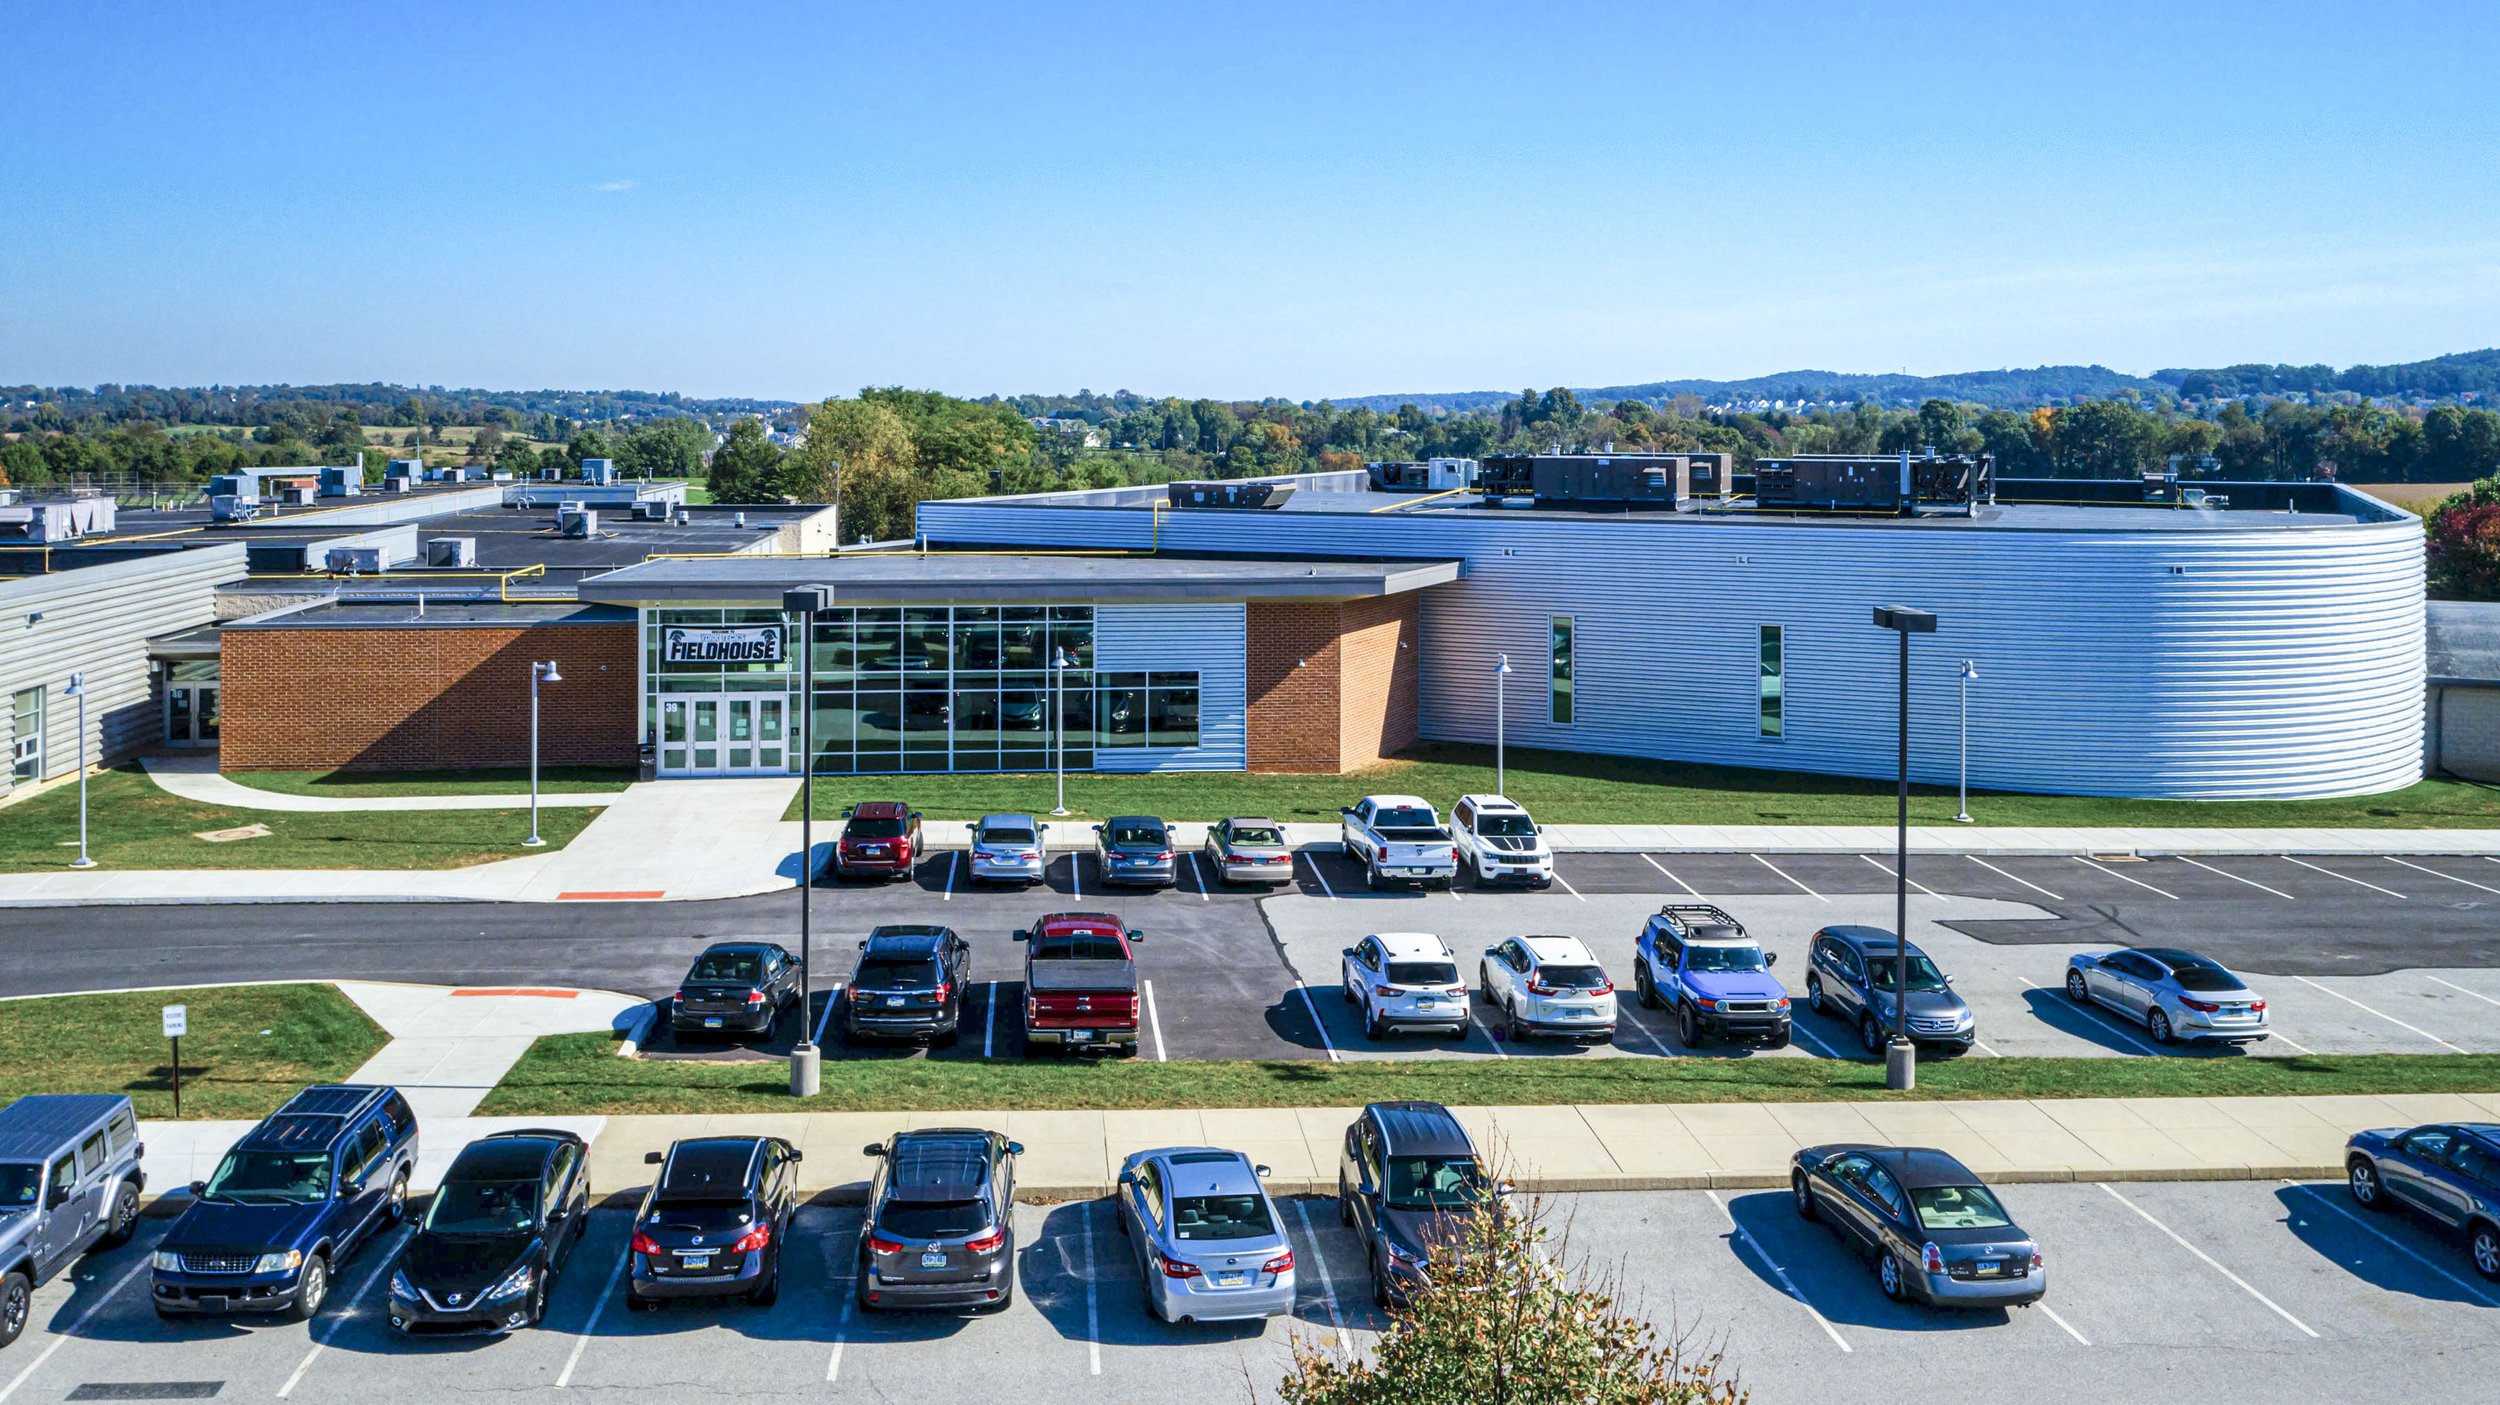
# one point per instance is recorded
(2373, 887)
(2461, 990)
(989, 1018)
(77, 1324)
(2245, 1285)
(2105, 868)
(1327, 1286)
(1318, 1025)
(1888, 873)
(1802, 888)
(328, 1329)
(1478, 1020)
(1662, 868)
(1797, 1029)
(952, 862)
(2325, 1199)
(597, 1309)
(1154, 1019)
(841, 1335)
(2435, 873)
(833, 997)
(1567, 884)
(2051, 1313)
(1624, 1016)
(1200, 875)
(1076, 875)
(1093, 1313)
(2251, 882)
(2391, 1019)
(1992, 868)
(2108, 1020)
(1322, 877)
(1787, 1284)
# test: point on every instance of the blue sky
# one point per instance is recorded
(1235, 200)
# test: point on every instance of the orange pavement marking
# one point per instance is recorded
(520, 990)
(610, 897)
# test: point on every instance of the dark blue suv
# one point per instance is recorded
(288, 1204)
(2450, 1174)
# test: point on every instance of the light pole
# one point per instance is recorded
(78, 689)
(1970, 670)
(1900, 1055)
(806, 1061)
(1501, 714)
(539, 673)
(1059, 660)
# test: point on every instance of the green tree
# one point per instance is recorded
(516, 457)
(589, 444)
(858, 456)
(748, 467)
(2102, 439)
(22, 466)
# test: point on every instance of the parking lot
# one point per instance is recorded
(2230, 1290)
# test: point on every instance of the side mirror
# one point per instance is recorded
(846, 814)
(973, 825)
(1948, 980)
(1136, 935)
(1023, 935)
(1128, 1178)
(654, 1158)
(198, 1189)
(863, 943)
(1015, 1148)
(1098, 829)
(873, 1149)
(1346, 810)
(1364, 1187)
(1263, 1172)
(1770, 958)
(915, 815)
(1347, 952)
(1492, 951)
(797, 1155)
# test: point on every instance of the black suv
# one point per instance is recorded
(714, 1224)
(503, 1223)
(1408, 1181)
(736, 987)
(940, 1229)
(909, 985)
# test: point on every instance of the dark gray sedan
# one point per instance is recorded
(2449, 1174)
(1135, 850)
(1933, 1231)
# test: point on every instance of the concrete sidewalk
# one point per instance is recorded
(451, 1045)
(195, 777)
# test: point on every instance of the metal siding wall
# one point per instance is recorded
(1211, 638)
(99, 619)
(2190, 664)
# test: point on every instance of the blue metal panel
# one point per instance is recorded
(1210, 639)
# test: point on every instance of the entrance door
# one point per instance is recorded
(191, 714)
(739, 734)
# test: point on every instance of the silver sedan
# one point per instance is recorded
(1249, 851)
(1008, 849)
(1208, 1244)
(2176, 995)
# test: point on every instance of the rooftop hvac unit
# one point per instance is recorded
(551, 475)
(1442, 475)
(296, 495)
(576, 520)
(651, 510)
(342, 482)
(1600, 481)
(1398, 475)
(455, 475)
(353, 560)
(599, 471)
(451, 553)
(1237, 496)
(233, 507)
(684, 518)
(398, 485)
(403, 468)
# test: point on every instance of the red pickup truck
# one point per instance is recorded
(1080, 982)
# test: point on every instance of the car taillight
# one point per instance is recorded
(1605, 987)
(987, 1243)
(1537, 986)
(1931, 1258)
(1282, 1263)
(1456, 992)
(645, 1244)
(755, 997)
(1385, 991)
(1174, 1268)
(2035, 1261)
(753, 1240)
(679, 997)
(944, 989)
(1453, 856)
(2258, 1006)
(1164, 857)
(879, 1244)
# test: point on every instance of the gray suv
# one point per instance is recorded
(940, 1229)
(69, 1182)
(1851, 975)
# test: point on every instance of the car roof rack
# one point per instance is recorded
(1691, 918)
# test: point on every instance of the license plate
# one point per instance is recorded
(894, 1002)
(1427, 1004)
(1227, 1280)
(1987, 1270)
(694, 1261)
(934, 1258)
(711, 1022)
(1080, 1036)
(1419, 873)
(1576, 1014)
(216, 1304)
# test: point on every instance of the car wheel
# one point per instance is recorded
(2157, 1023)
(1777, 1041)
(768, 1292)
(313, 1288)
(1346, 989)
(1373, 1029)
(1804, 1194)
(1869, 1035)
(1514, 1029)
(2362, 1177)
(1687, 1028)
(1888, 1277)
(1380, 1284)
(395, 1209)
(538, 1300)
(2485, 1247)
(1814, 996)
(1345, 1203)
(1644, 987)
(17, 1303)
(2076, 990)
(125, 1220)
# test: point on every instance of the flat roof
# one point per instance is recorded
(1016, 578)
(2134, 517)
(509, 538)
(433, 614)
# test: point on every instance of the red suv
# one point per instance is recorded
(881, 837)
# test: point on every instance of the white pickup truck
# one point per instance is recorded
(1398, 839)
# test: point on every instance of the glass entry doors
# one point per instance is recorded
(733, 734)
(191, 714)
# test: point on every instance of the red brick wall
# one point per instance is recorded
(422, 699)
(1376, 712)
(1331, 688)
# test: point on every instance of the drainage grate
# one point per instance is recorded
(146, 1390)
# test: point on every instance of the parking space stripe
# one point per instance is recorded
(2051, 1314)
(1327, 1285)
(1478, 1020)
(1992, 868)
(989, 1018)
(77, 1324)
(2435, 873)
(1888, 873)
(1787, 1284)
(2391, 1019)
(2245, 1285)
(1200, 875)
(1318, 1026)
(841, 1335)
(833, 997)
(322, 1338)
(1093, 1309)
(2326, 1200)
(1154, 1019)
(2461, 990)
(2251, 882)
(2094, 1007)
(1076, 875)
(1624, 1015)
(2373, 887)
(1802, 888)
(952, 861)
(597, 1310)
(1797, 1028)
(1662, 868)
(2105, 868)
(1322, 877)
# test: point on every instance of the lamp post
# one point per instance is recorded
(78, 689)
(1501, 714)
(539, 673)
(1059, 661)
(1970, 670)
(806, 1061)
(1900, 1055)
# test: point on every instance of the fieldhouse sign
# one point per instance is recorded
(759, 645)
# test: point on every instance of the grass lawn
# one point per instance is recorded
(552, 780)
(132, 824)
(1570, 788)
(569, 1074)
(250, 1046)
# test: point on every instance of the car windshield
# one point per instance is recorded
(270, 1178)
(19, 1182)
(1078, 946)
(873, 829)
(1509, 825)
(1574, 977)
(484, 1207)
(1434, 1182)
(1723, 958)
(1923, 972)
(736, 967)
(933, 1219)
(1403, 817)
(1006, 834)
(889, 974)
(1205, 1217)
(1258, 835)
(1423, 973)
(1958, 1207)
(2204, 977)
(1136, 834)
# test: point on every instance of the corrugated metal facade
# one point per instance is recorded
(99, 619)
(2205, 664)
(1210, 638)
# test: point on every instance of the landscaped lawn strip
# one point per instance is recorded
(248, 1049)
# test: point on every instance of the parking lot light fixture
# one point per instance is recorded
(1059, 661)
(1501, 714)
(1900, 1055)
(539, 673)
(806, 602)
(1970, 670)
(78, 689)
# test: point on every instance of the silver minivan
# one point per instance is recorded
(69, 1182)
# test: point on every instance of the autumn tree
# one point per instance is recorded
(2463, 544)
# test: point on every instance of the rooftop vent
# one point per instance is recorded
(575, 520)
(353, 560)
(234, 507)
(1235, 496)
(451, 553)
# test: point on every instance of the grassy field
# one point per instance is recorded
(569, 1074)
(552, 780)
(1568, 788)
(249, 1046)
(2416, 498)
(132, 824)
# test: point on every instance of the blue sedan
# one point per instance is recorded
(1206, 1237)
(2448, 1173)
